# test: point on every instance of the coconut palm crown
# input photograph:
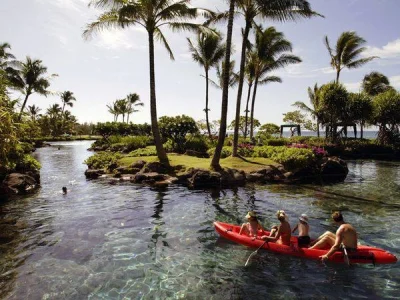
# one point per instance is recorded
(28, 77)
(346, 54)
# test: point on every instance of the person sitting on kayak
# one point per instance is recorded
(304, 239)
(346, 237)
(251, 228)
(280, 234)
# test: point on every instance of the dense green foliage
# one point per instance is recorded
(102, 160)
(290, 158)
(148, 151)
(175, 130)
(114, 128)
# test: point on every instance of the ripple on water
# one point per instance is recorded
(122, 241)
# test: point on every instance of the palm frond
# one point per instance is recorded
(159, 35)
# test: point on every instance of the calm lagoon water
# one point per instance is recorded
(111, 240)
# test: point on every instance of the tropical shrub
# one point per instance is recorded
(176, 129)
(148, 151)
(27, 163)
(225, 152)
(102, 160)
(274, 141)
(197, 143)
(290, 158)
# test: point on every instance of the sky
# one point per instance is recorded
(114, 63)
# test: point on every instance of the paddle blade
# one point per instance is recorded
(248, 260)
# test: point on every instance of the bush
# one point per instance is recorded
(102, 160)
(290, 158)
(27, 163)
(197, 143)
(226, 151)
(148, 151)
(275, 142)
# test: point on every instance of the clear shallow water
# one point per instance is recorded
(124, 241)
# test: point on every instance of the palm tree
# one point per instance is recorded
(151, 15)
(133, 101)
(224, 104)
(314, 110)
(207, 52)
(123, 108)
(5, 56)
(66, 98)
(233, 76)
(347, 52)
(113, 109)
(375, 83)
(270, 54)
(280, 10)
(29, 77)
(250, 76)
(33, 111)
(54, 112)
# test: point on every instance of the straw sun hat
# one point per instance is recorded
(251, 214)
(304, 218)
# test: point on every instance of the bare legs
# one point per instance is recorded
(326, 240)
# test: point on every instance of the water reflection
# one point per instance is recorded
(104, 241)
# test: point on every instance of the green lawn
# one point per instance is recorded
(245, 164)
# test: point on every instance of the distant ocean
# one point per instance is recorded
(366, 134)
(350, 134)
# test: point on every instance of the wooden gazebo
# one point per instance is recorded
(297, 126)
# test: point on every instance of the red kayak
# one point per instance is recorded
(363, 255)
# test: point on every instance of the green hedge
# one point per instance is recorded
(102, 160)
(148, 151)
(290, 158)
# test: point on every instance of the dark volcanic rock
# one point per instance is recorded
(204, 179)
(18, 183)
(334, 169)
(93, 174)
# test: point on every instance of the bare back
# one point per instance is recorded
(303, 229)
(348, 235)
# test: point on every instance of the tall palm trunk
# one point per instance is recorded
(23, 105)
(252, 107)
(337, 76)
(162, 155)
(225, 91)
(317, 128)
(240, 89)
(207, 121)
(123, 118)
(247, 109)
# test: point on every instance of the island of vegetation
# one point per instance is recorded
(201, 154)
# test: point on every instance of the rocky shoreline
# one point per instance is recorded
(327, 170)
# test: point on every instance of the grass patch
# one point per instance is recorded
(245, 164)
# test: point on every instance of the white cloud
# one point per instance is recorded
(353, 86)
(77, 5)
(395, 81)
(389, 51)
(114, 39)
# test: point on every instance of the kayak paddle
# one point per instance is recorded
(254, 253)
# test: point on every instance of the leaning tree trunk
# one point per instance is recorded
(247, 109)
(224, 106)
(162, 155)
(252, 108)
(337, 76)
(206, 109)
(240, 89)
(23, 106)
